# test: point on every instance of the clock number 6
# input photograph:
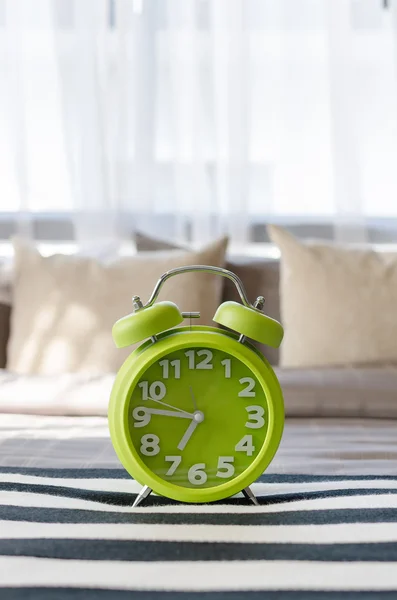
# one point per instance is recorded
(196, 474)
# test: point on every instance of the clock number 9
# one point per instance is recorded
(141, 416)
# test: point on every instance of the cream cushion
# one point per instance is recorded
(64, 307)
(338, 304)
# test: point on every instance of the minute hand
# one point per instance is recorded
(191, 415)
(168, 413)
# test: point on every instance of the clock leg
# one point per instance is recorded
(144, 493)
(248, 493)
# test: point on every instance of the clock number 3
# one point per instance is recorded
(255, 417)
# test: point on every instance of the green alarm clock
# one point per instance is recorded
(196, 413)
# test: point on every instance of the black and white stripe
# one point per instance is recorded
(73, 534)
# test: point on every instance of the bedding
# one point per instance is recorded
(326, 526)
(74, 301)
(337, 303)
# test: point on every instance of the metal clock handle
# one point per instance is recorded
(204, 269)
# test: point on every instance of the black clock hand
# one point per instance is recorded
(193, 398)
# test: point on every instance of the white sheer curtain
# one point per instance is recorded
(194, 117)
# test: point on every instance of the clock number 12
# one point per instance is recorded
(205, 363)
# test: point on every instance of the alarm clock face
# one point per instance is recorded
(198, 417)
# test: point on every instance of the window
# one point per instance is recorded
(198, 115)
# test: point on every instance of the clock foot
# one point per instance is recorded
(144, 493)
(248, 493)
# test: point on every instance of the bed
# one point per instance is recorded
(326, 526)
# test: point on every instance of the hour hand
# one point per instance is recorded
(198, 417)
(187, 436)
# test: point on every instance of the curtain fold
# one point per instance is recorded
(193, 118)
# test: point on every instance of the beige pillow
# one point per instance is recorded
(338, 304)
(147, 243)
(65, 306)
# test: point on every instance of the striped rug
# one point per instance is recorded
(73, 534)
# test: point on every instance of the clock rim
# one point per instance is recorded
(148, 353)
